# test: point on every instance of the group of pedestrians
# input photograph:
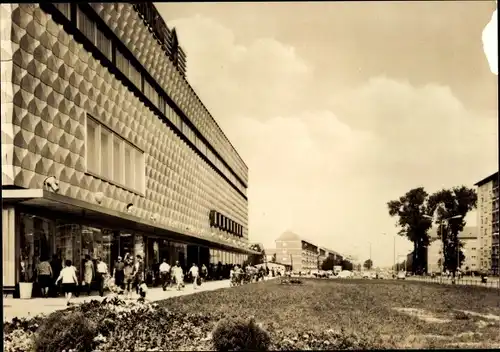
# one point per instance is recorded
(69, 279)
(175, 275)
(127, 276)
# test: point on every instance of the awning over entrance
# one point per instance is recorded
(49, 202)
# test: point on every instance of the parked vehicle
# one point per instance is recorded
(345, 274)
(367, 275)
(401, 275)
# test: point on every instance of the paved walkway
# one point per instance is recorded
(493, 282)
(15, 307)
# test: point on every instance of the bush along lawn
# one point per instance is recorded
(113, 325)
(110, 325)
(316, 314)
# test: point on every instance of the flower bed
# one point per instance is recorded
(114, 325)
(317, 314)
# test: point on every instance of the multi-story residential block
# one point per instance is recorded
(488, 223)
(300, 253)
(470, 247)
(106, 148)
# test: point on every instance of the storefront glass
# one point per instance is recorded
(126, 244)
(139, 245)
(68, 244)
(36, 243)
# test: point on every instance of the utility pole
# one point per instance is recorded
(394, 256)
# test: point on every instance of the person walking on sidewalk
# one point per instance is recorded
(139, 273)
(128, 273)
(69, 280)
(195, 273)
(88, 274)
(204, 272)
(178, 275)
(118, 274)
(44, 275)
(102, 272)
(165, 274)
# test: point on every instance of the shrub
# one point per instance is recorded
(461, 316)
(65, 330)
(237, 334)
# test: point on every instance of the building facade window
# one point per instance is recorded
(104, 149)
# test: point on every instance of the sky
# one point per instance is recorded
(339, 107)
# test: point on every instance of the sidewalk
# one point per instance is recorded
(464, 281)
(23, 308)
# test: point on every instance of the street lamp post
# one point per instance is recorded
(440, 232)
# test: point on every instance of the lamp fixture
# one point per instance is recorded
(51, 183)
(129, 208)
(98, 196)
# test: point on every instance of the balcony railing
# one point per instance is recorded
(166, 38)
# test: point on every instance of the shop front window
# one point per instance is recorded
(36, 244)
(68, 244)
(126, 244)
(139, 246)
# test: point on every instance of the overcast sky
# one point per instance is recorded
(338, 108)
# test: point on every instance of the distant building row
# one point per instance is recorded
(299, 253)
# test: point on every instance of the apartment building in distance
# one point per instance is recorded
(487, 222)
(471, 249)
(303, 255)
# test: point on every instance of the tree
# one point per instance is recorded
(368, 264)
(273, 259)
(254, 259)
(328, 263)
(411, 210)
(347, 265)
(446, 204)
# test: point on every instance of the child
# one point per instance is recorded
(69, 280)
(143, 289)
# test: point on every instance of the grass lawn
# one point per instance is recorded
(404, 314)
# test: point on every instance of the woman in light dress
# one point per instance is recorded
(178, 275)
(88, 273)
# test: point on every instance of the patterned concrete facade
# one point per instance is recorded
(129, 27)
(50, 82)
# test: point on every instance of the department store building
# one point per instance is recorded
(106, 148)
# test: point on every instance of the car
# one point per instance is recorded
(401, 275)
(345, 274)
(367, 275)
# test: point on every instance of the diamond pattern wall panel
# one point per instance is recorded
(7, 48)
(55, 83)
(130, 28)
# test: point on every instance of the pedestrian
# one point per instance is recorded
(118, 273)
(178, 275)
(44, 275)
(195, 275)
(165, 274)
(102, 272)
(204, 272)
(69, 280)
(56, 265)
(143, 289)
(128, 274)
(139, 273)
(88, 274)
